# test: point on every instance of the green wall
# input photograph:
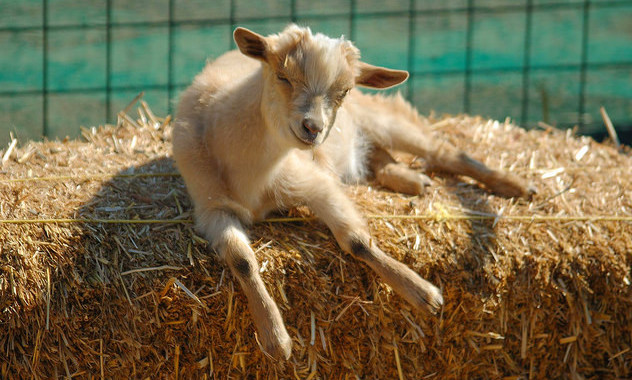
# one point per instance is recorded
(68, 63)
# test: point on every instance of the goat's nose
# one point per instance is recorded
(312, 126)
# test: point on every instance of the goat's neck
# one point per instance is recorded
(263, 146)
(266, 152)
(269, 142)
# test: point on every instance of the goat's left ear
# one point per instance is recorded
(379, 77)
(251, 44)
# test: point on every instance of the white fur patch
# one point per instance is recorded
(357, 170)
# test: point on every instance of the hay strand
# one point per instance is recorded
(610, 127)
(7, 154)
(141, 270)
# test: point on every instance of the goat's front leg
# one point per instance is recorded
(323, 195)
(416, 290)
(227, 237)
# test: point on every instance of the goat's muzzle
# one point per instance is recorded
(311, 129)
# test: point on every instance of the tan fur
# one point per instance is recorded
(278, 124)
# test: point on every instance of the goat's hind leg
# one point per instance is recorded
(226, 235)
(401, 134)
(395, 175)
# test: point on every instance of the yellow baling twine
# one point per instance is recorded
(442, 217)
(518, 218)
(89, 177)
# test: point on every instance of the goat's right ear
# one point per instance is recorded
(251, 44)
(379, 77)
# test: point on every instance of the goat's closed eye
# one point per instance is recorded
(283, 79)
(342, 94)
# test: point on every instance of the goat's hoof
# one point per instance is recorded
(531, 190)
(433, 300)
(427, 297)
(424, 179)
(278, 346)
(510, 186)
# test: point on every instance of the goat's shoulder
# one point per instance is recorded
(221, 81)
(224, 90)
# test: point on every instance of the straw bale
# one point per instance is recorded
(545, 297)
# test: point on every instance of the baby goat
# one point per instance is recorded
(279, 123)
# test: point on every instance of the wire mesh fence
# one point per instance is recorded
(65, 63)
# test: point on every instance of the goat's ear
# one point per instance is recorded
(251, 44)
(379, 77)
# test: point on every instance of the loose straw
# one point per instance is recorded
(91, 177)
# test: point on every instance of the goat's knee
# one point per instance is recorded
(361, 249)
(401, 179)
(395, 175)
(242, 267)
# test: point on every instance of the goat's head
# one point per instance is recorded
(306, 78)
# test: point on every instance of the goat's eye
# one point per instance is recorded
(283, 79)
(343, 93)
